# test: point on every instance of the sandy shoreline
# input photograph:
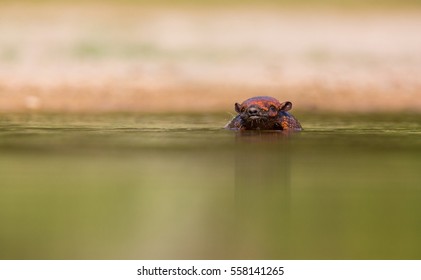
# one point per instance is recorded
(108, 59)
(204, 99)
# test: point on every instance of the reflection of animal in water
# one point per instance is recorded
(265, 113)
(262, 193)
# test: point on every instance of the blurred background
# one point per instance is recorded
(111, 139)
(195, 56)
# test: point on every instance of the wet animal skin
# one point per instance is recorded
(263, 113)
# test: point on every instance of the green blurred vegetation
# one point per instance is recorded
(8, 54)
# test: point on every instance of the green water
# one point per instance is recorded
(180, 187)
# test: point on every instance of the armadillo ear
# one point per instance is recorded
(237, 108)
(286, 106)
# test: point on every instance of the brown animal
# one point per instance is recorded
(264, 113)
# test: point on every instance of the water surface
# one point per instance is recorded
(126, 186)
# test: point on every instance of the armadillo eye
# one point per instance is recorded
(243, 109)
(273, 108)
